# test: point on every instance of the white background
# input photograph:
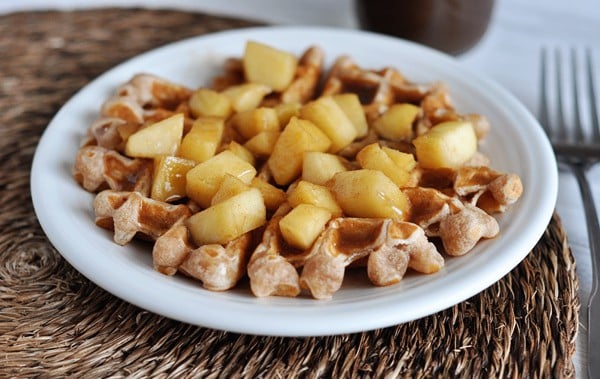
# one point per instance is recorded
(509, 54)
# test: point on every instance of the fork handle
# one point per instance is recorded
(593, 306)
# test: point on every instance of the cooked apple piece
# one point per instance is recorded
(447, 145)
(230, 186)
(272, 195)
(246, 96)
(228, 219)
(207, 102)
(161, 138)
(369, 193)
(241, 152)
(269, 66)
(168, 182)
(309, 193)
(298, 137)
(373, 157)
(203, 139)
(285, 111)
(331, 119)
(403, 160)
(250, 123)
(318, 167)
(350, 104)
(303, 224)
(203, 181)
(396, 124)
(262, 144)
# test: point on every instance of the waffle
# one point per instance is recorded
(390, 246)
(109, 133)
(130, 214)
(145, 95)
(270, 271)
(232, 75)
(377, 89)
(218, 267)
(488, 189)
(459, 225)
(446, 210)
(98, 168)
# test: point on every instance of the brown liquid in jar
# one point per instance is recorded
(452, 26)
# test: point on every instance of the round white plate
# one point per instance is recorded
(516, 144)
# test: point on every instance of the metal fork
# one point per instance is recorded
(578, 148)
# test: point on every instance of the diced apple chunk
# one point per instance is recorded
(168, 182)
(285, 111)
(228, 219)
(373, 157)
(350, 104)
(303, 224)
(230, 186)
(369, 193)
(241, 152)
(447, 145)
(318, 167)
(203, 139)
(250, 123)
(246, 96)
(396, 124)
(203, 181)
(403, 160)
(272, 195)
(269, 66)
(262, 144)
(298, 137)
(309, 193)
(207, 102)
(327, 115)
(161, 138)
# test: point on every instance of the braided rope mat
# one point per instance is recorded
(56, 323)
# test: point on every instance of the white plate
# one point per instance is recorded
(516, 144)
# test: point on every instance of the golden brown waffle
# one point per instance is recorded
(391, 247)
(459, 225)
(233, 74)
(377, 89)
(141, 97)
(97, 168)
(490, 190)
(270, 272)
(218, 267)
(131, 214)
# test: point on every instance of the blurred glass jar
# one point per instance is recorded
(452, 26)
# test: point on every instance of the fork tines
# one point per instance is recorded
(574, 126)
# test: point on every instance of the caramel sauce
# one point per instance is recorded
(355, 237)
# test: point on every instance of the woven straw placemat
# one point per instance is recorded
(56, 323)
